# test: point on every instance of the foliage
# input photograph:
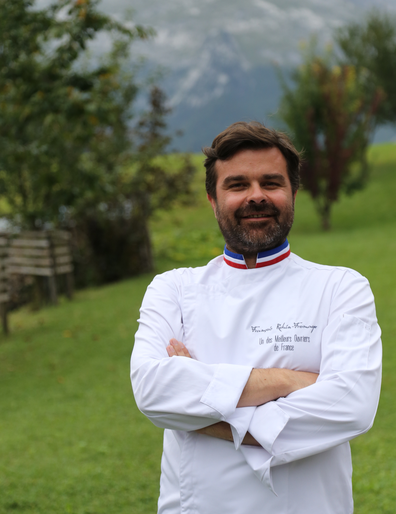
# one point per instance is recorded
(56, 115)
(371, 46)
(67, 140)
(331, 121)
(114, 224)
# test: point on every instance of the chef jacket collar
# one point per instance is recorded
(267, 258)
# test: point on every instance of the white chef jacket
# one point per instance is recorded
(285, 313)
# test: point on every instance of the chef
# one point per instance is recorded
(260, 366)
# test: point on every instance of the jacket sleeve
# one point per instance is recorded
(177, 392)
(342, 403)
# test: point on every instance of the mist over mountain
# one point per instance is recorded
(222, 88)
(219, 56)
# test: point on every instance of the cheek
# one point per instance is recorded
(232, 202)
(282, 200)
(224, 205)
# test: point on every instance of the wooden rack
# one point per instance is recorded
(4, 288)
(42, 253)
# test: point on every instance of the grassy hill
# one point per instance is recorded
(71, 437)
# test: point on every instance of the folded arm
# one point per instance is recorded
(178, 393)
(185, 394)
(341, 404)
(337, 407)
(262, 386)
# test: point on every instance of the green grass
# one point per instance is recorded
(71, 437)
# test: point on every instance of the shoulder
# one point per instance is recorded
(348, 290)
(179, 277)
(324, 269)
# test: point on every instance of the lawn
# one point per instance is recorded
(71, 437)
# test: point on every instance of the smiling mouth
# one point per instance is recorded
(257, 216)
(257, 212)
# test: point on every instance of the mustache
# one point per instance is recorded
(265, 210)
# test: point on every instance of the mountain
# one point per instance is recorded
(218, 55)
(222, 88)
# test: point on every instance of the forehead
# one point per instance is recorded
(253, 162)
(249, 161)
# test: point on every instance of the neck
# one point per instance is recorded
(250, 261)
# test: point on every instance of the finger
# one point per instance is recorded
(175, 343)
(185, 352)
(175, 348)
(171, 351)
(179, 348)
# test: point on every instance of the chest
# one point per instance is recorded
(259, 324)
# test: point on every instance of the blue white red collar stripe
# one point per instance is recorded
(267, 258)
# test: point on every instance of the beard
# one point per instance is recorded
(249, 239)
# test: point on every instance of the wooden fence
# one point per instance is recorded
(4, 289)
(39, 254)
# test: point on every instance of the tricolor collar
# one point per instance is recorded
(267, 258)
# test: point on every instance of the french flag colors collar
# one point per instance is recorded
(267, 258)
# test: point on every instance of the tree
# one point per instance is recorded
(331, 121)
(371, 46)
(53, 112)
(67, 137)
(115, 224)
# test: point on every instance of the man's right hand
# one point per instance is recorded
(177, 349)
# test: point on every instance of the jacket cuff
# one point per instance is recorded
(259, 461)
(225, 388)
(240, 420)
(267, 423)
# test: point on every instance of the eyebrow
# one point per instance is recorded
(240, 178)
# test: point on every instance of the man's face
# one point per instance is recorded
(255, 204)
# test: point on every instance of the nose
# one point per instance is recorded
(256, 194)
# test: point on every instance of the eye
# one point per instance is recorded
(237, 185)
(271, 184)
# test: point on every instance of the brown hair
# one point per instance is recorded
(244, 136)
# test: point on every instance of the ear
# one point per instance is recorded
(294, 195)
(212, 203)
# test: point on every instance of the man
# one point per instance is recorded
(260, 366)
